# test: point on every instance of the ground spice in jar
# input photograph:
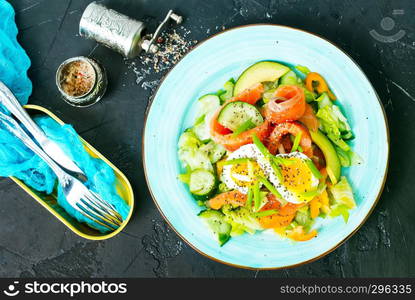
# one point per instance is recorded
(77, 78)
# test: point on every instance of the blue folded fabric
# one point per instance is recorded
(14, 62)
(18, 161)
(101, 177)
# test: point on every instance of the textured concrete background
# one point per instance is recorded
(33, 243)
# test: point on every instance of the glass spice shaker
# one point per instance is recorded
(82, 81)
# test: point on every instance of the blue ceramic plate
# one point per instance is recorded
(205, 70)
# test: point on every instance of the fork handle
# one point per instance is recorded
(18, 131)
(12, 104)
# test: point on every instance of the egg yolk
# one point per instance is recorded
(297, 176)
(244, 174)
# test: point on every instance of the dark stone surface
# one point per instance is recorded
(34, 243)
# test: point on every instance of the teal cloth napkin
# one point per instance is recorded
(19, 161)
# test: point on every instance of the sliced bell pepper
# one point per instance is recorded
(314, 81)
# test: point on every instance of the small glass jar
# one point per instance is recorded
(82, 81)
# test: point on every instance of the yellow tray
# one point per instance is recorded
(50, 201)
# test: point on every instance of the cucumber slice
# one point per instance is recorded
(208, 104)
(234, 114)
(188, 140)
(190, 152)
(216, 222)
(195, 159)
(202, 131)
(217, 153)
(214, 151)
(259, 72)
(202, 183)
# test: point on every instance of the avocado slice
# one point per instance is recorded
(259, 72)
(330, 154)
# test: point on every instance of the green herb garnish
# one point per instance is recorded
(244, 127)
(250, 196)
(261, 147)
(283, 161)
(296, 142)
(310, 164)
(200, 120)
(257, 196)
(272, 189)
(266, 213)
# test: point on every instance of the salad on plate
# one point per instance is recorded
(266, 153)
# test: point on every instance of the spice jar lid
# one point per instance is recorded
(82, 81)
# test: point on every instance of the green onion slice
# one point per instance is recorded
(200, 120)
(272, 189)
(267, 155)
(321, 187)
(266, 213)
(283, 161)
(261, 146)
(257, 196)
(296, 142)
(249, 200)
(244, 127)
(310, 164)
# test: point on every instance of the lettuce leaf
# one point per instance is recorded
(309, 96)
(342, 193)
(303, 218)
(343, 198)
(348, 158)
(333, 123)
(237, 229)
(340, 210)
(241, 218)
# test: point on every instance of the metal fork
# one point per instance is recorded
(77, 194)
(50, 147)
